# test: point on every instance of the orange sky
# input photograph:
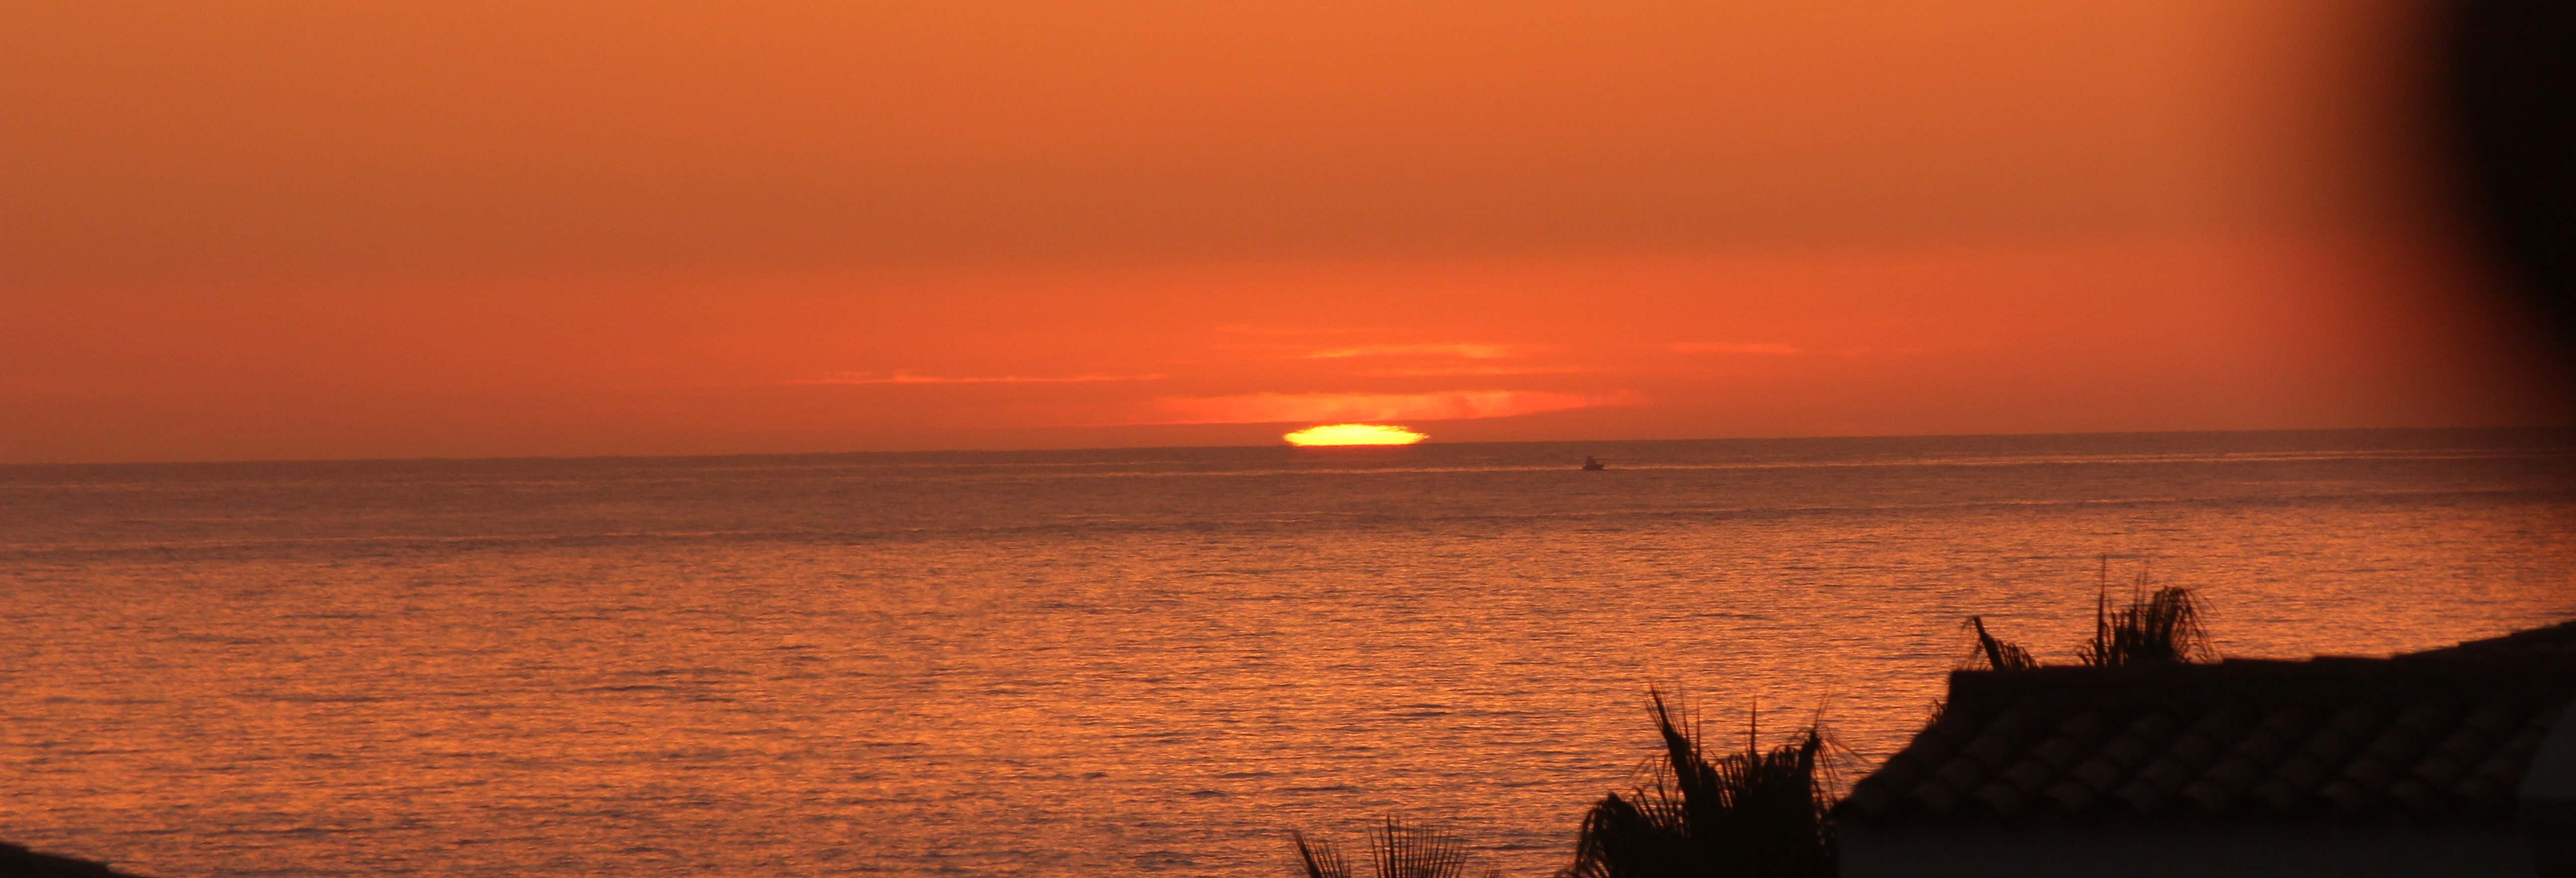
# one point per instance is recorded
(287, 230)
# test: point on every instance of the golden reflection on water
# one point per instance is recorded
(822, 666)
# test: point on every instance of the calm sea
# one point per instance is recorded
(1113, 662)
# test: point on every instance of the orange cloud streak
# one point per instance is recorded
(1264, 408)
(904, 377)
(1481, 371)
(1463, 350)
(1761, 349)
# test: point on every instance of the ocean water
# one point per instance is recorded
(1120, 662)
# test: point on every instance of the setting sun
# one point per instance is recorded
(1354, 434)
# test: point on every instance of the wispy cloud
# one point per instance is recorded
(902, 376)
(1259, 329)
(1756, 349)
(1465, 350)
(1479, 371)
(1266, 408)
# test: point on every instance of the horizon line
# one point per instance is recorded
(2565, 428)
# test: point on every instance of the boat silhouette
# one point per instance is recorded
(1591, 464)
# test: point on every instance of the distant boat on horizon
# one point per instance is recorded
(1592, 464)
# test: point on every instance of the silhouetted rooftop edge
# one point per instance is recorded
(19, 862)
(2443, 736)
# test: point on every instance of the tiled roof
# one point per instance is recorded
(2442, 736)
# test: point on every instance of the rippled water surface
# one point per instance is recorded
(1115, 662)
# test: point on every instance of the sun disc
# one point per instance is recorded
(1355, 434)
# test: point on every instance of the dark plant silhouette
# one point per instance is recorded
(2158, 627)
(2000, 654)
(1749, 813)
(1320, 859)
(1398, 849)
(2162, 626)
